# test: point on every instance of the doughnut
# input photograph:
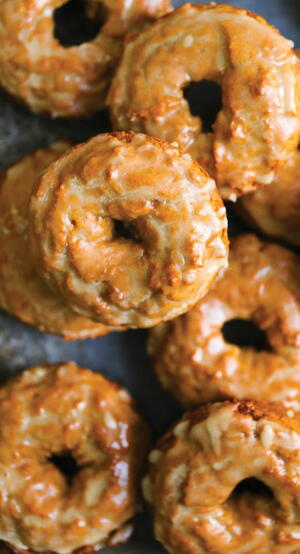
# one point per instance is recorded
(198, 484)
(64, 81)
(194, 361)
(275, 210)
(22, 292)
(58, 410)
(127, 230)
(258, 125)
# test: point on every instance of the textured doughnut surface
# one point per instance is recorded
(275, 209)
(173, 237)
(48, 77)
(51, 410)
(197, 465)
(258, 125)
(194, 361)
(22, 292)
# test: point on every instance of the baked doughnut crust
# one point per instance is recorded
(258, 125)
(196, 364)
(197, 465)
(50, 410)
(22, 292)
(48, 77)
(173, 237)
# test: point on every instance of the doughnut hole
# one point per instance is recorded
(67, 465)
(73, 27)
(245, 334)
(205, 101)
(252, 486)
(255, 502)
(126, 230)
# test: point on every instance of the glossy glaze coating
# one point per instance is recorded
(194, 361)
(53, 410)
(64, 81)
(258, 125)
(22, 292)
(169, 249)
(195, 468)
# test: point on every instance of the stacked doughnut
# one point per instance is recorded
(128, 230)
(122, 231)
(257, 128)
(48, 77)
(197, 364)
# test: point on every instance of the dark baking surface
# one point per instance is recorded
(119, 356)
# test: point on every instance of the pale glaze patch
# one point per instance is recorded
(193, 360)
(190, 486)
(73, 81)
(22, 292)
(176, 219)
(258, 125)
(62, 408)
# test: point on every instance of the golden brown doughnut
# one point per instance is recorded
(173, 239)
(193, 360)
(197, 465)
(275, 209)
(257, 127)
(63, 409)
(48, 77)
(22, 292)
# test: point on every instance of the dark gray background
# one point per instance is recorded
(119, 356)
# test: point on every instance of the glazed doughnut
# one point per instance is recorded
(275, 210)
(63, 409)
(48, 77)
(258, 125)
(128, 230)
(194, 361)
(22, 292)
(194, 471)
